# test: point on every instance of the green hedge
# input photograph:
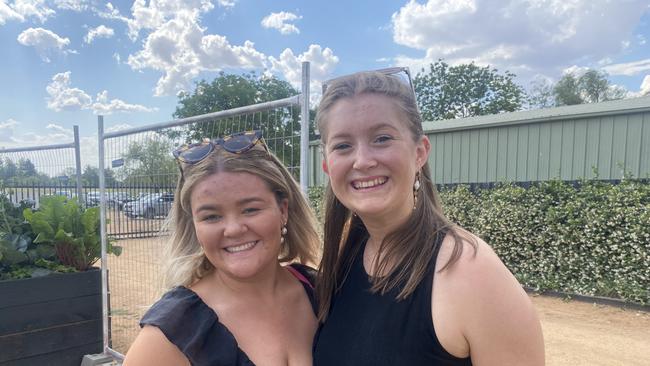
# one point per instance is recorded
(592, 238)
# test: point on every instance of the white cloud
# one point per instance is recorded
(152, 15)
(645, 86)
(280, 21)
(322, 64)
(180, 49)
(22, 9)
(628, 68)
(576, 70)
(74, 5)
(529, 37)
(227, 3)
(119, 127)
(7, 129)
(62, 97)
(7, 13)
(100, 32)
(59, 129)
(44, 41)
(110, 12)
(105, 106)
(178, 46)
(117, 57)
(13, 136)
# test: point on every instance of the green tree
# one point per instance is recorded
(8, 169)
(26, 168)
(150, 163)
(466, 90)
(228, 91)
(591, 87)
(90, 177)
(541, 94)
(567, 90)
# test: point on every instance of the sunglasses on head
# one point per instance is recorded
(237, 143)
(401, 73)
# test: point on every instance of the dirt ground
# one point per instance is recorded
(575, 333)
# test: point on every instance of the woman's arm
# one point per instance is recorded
(490, 310)
(151, 347)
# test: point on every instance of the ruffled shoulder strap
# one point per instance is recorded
(195, 329)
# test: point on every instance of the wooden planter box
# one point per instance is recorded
(52, 320)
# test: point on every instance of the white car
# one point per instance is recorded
(150, 206)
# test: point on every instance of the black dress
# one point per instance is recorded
(194, 327)
(365, 328)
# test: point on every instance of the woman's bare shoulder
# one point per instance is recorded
(492, 311)
(151, 347)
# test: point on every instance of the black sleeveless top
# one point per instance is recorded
(193, 327)
(365, 328)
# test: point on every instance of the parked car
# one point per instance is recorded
(118, 199)
(128, 207)
(92, 199)
(150, 206)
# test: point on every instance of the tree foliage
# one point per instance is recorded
(281, 126)
(23, 171)
(466, 90)
(591, 87)
(149, 163)
(90, 176)
(228, 91)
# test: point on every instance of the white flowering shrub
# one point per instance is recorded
(589, 239)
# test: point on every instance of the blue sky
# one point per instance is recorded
(66, 61)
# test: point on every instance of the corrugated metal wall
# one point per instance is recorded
(565, 142)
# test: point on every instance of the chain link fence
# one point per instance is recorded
(139, 177)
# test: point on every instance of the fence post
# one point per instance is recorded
(304, 129)
(102, 218)
(77, 158)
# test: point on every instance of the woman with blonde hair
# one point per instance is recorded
(238, 217)
(399, 284)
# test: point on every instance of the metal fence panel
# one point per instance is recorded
(27, 174)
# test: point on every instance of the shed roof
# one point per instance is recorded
(613, 107)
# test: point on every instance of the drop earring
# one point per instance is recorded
(416, 189)
(283, 232)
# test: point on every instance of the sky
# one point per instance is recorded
(64, 62)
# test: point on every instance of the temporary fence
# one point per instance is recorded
(138, 177)
(28, 173)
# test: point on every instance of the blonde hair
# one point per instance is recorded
(186, 262)
(406, 254)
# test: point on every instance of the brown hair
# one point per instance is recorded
(406, 254)
(186, 262)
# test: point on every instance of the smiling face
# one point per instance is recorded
(238, 222)
(371, 157)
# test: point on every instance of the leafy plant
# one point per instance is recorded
(590, 238)
(72, 231)
(17, 249)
